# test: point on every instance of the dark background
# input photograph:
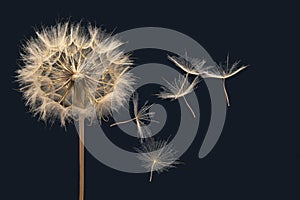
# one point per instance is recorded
(258, 154)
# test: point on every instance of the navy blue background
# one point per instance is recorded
(258, 154)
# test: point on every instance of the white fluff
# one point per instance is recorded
(157, 156)
(69, 71)
(141, 116)
(178, 88)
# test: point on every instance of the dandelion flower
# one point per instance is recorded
(71, 73)
(141, 116)
(157, 156)
(179, 88)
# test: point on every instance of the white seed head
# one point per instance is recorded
(69, 71)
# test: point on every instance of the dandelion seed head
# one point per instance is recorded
(70, 71)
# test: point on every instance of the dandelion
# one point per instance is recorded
(179, 88)
(197, 67)
(189, 65)
(157, 156)
(141, 116)
(70, 73)
(224, 72)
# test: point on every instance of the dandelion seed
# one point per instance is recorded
(224, 72)
(71, 73)
(157, 156)
(179, 88)
(140, 117)
(192, 66)
(197, 67)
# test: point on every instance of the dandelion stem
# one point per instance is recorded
(188, 105)
(81, 158)
(225, 92)
(151, 172)
(123, 122)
